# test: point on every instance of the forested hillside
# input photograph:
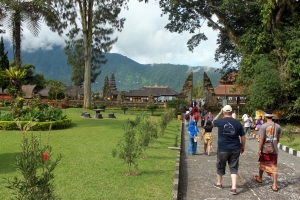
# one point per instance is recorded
(128, 73)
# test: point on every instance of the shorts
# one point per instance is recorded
(207, 138)
(232, 158)
(247, 130)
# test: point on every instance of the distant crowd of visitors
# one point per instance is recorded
(231, 140)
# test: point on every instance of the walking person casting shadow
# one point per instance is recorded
(193, 132)
(269, 134)
(207, 137)
(231, 143)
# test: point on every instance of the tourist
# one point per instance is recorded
(210, 117)
(231, 143)
(193, 132)
(207, 137)
(258, 123)
(203, 113)
(247, 125)
(234, 114)
(269, 132)
(187, 118)
(196, 117)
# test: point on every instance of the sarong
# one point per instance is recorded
(268, 163)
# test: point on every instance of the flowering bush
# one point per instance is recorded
(37, 113)
(36, 168)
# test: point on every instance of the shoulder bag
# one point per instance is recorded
(268, 147)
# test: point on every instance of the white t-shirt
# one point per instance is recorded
(233, 115)
(247, 121)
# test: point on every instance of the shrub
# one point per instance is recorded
(124, 108)
(128, 148)
(78, 105)
(40, 126)
(147, 130)
(102, 107)
(36, 168)
(152, 108)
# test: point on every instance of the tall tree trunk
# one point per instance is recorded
(17, 39)
(87, 17)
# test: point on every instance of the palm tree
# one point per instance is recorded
(31, 13)
(15, 77)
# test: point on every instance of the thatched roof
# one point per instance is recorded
(73, 91)
(44, 92)
(4, 91)
(28, 90)
(155, 91)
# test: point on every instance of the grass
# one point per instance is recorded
(294, 145)
(88, 170)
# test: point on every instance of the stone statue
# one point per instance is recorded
(151, 99)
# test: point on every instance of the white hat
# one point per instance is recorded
(227, 108)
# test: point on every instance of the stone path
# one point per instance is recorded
(197, 173)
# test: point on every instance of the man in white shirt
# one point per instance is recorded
(247, 125)
(233, 115)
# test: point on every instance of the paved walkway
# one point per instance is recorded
(198, 173)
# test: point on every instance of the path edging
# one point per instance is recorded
(283, 147)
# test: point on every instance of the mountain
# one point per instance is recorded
(128, 73)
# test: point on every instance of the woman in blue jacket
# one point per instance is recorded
(193, 132)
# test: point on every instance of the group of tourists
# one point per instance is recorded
(231, 143)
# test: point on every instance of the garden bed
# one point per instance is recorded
(39, 126)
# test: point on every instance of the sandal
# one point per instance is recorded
(257, 179)
(274, 189)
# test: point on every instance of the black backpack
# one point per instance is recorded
(187, 116)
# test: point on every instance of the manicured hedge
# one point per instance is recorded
(40, 126)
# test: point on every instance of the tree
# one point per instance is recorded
(56, 89)
(265, 88)
(129, 148)
(15, 77)
(249, 31)
(4, 64)
(19, 12)
(98, 20)
(75, 52)
(152, 108)
(198, 90)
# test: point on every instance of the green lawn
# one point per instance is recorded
(294, 145)
(88, 170)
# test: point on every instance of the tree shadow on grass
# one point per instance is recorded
(7, 161)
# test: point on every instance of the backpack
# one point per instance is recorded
(187, 116)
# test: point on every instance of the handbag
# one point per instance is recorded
(269, 146)
(197, 139)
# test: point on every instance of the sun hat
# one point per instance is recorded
(227, 108)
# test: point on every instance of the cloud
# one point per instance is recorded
(143, 39)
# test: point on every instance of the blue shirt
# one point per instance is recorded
(229, 132)
(193, 129)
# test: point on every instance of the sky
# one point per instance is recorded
(143, 39)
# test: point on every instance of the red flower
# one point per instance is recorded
(46, 156)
